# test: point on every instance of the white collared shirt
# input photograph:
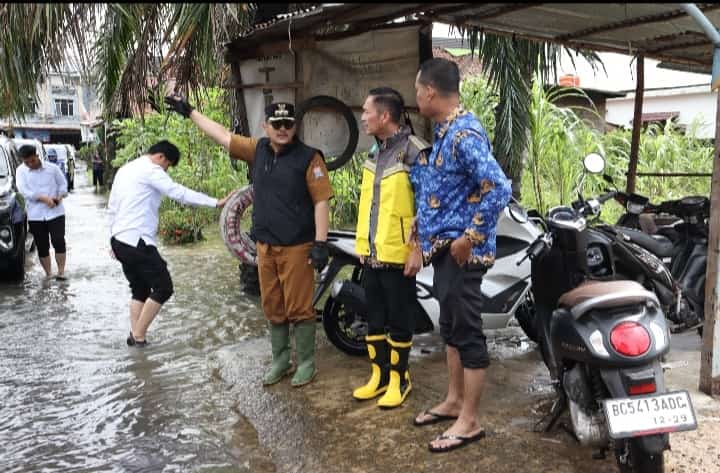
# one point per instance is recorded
(46, 180)
(134, 203)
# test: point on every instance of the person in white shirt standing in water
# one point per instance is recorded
(133, 211)
(44, 186)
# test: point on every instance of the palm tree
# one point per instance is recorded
(122, 47)
(511, 64)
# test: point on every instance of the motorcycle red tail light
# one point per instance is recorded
(644, 388)
(630, 339)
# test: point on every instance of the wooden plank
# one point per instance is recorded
(241, 126)
(265, 85)
(637, 125)
(710, 353)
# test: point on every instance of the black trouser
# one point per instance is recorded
(97, 177)
(461, 305)
(390, 300)
(45, 231)
(145, 270)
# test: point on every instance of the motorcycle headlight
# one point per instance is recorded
(5, 233)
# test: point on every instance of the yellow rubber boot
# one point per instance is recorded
(399, 386)
(378, 353)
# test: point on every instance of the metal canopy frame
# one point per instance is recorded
(682, 36)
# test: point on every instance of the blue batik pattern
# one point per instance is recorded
(459, 189)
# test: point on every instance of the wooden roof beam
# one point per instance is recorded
(640, 20)
(686, 44)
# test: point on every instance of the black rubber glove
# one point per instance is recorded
(179, 104)
(319, 255)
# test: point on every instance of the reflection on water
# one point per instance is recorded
(76, 398)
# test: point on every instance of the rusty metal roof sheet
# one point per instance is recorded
(660, 31)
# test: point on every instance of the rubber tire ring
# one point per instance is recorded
(238, 241)
(325, 101)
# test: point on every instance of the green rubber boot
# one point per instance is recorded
(305, 350)
(281, 366)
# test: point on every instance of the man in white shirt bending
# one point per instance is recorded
(43, 186)
(133, 211)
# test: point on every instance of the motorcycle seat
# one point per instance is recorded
(605, 295)
(658, 245)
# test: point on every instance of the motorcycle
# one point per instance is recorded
(602, 338)
(682, 245)
(506, 286)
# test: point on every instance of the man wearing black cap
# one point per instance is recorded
(290, 218)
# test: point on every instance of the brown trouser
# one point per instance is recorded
(287, 281)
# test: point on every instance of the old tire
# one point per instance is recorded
(237, 240)
(325, 101)
(338, 322)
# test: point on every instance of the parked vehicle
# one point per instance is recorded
(602, 338)
(13, 217)
(681, 242)
(42, 154)
(65, 160)
(506, 286)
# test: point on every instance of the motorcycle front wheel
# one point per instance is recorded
(345, 328)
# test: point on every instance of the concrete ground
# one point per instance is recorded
(321, 428)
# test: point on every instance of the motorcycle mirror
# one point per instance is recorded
(594, 163)
(517, 213)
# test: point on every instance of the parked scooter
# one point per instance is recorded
(506, 286)
(682, 246)
(602, 339)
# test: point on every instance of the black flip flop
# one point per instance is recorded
(61, 278)
(434, 419)
(463, 441)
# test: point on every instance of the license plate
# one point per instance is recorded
(647, 415)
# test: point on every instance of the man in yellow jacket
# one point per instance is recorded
(383, 240)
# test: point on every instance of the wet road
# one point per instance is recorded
(75, 398)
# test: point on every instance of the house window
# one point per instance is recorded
(64, 108)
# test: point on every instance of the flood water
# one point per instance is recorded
(74, 397)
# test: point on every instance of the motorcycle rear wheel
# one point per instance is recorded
(338, 323)
(525, 316)
(637, 460)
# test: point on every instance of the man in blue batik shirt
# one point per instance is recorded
(460, 191)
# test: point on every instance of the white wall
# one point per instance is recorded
(690, 105)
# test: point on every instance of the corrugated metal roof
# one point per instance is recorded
(660, 31)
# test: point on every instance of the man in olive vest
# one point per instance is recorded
(383, 240)
(290, 218)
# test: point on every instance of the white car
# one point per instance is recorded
(41, 152)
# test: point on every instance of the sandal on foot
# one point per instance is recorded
(434, 418)
(130, 340)
(463, 441)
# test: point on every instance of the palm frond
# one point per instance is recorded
(510, 65)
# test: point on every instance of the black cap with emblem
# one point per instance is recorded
(280, 111)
